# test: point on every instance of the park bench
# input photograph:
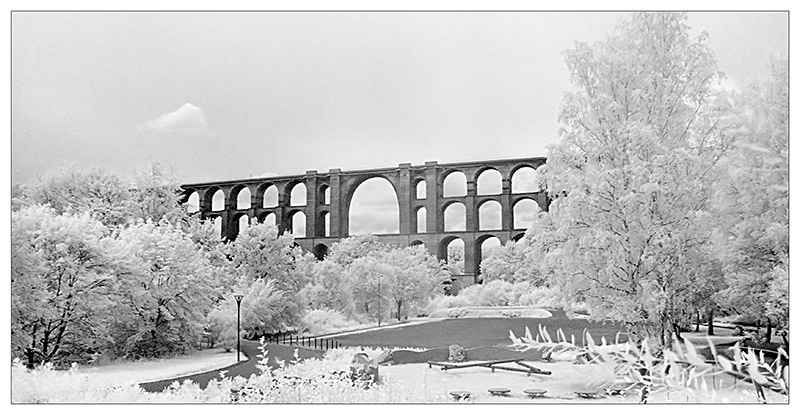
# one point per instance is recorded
(492, 364)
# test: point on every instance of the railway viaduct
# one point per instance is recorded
(422, 205)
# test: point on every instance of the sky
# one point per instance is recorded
(218, 96)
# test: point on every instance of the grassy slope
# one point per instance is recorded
(474, 332)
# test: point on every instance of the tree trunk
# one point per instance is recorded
(399, 304)
(30, 355)
(769, 331)
(710, 321)
(697, 320)
(758, 331)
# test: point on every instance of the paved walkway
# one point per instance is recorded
(244, 369)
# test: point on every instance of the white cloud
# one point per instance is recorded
(187, 119)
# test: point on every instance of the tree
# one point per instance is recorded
(413, 279)
(328, 288)
(156, 195)
(455, 259)
(363, 278)
(409, 277)
(61, 273)
(69, 190)
(349, 249)
(512, 263)
(166, 292)
(262, 311)
(260, 254)
(632, 176)
(753, 202)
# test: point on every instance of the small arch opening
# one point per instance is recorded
(299, 224)
(270, 219)
(325, 194)
(298, 195)
(325, 223)
(270, 197)
(490, 182)
(525, 212)
(242, 223)
(320, 251)
(218, 201)
(455, 217)
(455, 256)
(243, 199)
(490, 216)
(217, 223)
(422, 217)
(422, 189)
(193, 203)
(455, 185)
(525, 180)
(489, 247)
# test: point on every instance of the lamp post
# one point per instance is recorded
(238, 298)
(379, 300)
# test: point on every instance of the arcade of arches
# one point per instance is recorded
(471, 202)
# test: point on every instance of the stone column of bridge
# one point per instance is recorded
(507, 211)
(282, 208)
(471, 209)
(312, 207)
(403, 189)
(336, 203)
(434, 222)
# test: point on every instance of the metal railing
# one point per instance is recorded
(312, 342)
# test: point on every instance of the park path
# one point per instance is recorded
(244, 369)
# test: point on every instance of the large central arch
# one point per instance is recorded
(350, 189)
(420, 196)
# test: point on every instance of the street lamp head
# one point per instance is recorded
(238, 297)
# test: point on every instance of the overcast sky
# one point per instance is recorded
(232, 95)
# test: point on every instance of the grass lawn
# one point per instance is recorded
(129, 372)
(566, 379)
(475, 332)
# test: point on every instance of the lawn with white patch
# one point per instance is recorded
(566, 379)
(142, 371)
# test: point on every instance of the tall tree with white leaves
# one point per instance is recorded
(633, 174)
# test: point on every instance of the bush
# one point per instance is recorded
(310, 381)
(445, 302)
(542, 297)
(493, 293)
(326, 321)
(501, 293)
(456, 312)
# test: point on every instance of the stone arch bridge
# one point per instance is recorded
(421, 204)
